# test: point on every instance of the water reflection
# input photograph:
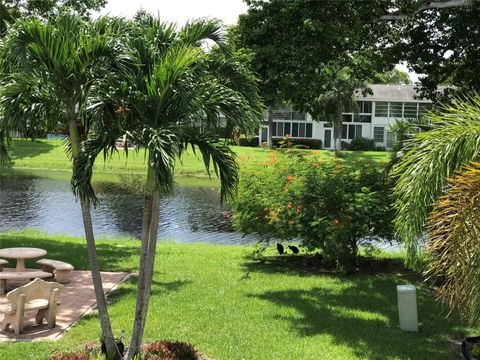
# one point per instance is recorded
(191, 214)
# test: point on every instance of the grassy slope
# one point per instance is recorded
(277, 312)
(49, 154)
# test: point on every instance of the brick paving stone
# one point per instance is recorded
(76, 299)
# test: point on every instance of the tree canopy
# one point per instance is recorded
(293, 40)
(10, 10)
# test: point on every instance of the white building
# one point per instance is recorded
(372, 121)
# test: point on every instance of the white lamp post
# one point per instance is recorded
(407, 307)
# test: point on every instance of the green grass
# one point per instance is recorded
(278, 311)
(49, 154)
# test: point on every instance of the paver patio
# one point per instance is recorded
(76, 299)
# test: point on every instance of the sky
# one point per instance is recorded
(180, 11)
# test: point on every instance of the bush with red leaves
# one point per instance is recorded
(79, 355)
(170, 350)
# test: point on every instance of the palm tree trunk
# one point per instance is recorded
(270, 128)
(152, 248)
(137, 331)
(338, 134)
(107, 334)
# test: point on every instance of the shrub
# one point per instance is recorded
(244, 141)
(170, 350)
(300, 143)
(331, 207)
(344, 145)
(362, 144)
(79, 355)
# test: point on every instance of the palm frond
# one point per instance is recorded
(428, 160)
(217, 154)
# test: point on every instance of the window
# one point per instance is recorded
(396, 109)
(381, 108)
(390, 139)
(378, 135)
(364, 107)
(298, 115)
(362, 118)
(347, 117)
(410, 110)
(309, 130)
(301, 130)
(295, 129)
(351, 131)
(280, 129)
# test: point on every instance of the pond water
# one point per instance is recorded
(191, 214)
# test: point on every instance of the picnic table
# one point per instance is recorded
(20, 254)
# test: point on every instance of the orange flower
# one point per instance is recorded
(290, 177)
(266, 209)
(289, 205)
(338, 166)
(243, 158)
(335, 222)
(291, 222)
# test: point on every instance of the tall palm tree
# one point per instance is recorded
(51, 72)
(176, 98)
(338, 97)
(427, 160)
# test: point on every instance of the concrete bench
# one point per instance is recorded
(2, 263)
(36, 295)
(60, 269)
(24, 275)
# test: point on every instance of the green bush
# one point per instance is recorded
(329, 206)
(362, 144)
(344, 145)
(244, 141)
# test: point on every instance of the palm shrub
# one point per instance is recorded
(453, 243)
(328, 206)
(426, 162)
(52, 73)
(171, 100)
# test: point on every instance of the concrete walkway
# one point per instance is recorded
(76, 299)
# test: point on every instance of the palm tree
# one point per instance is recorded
(427, 160)
(175, 98)
(51, 74)
(338, 96)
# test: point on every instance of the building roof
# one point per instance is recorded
(392, 93)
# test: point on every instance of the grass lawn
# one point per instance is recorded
(49, 154)
(231, 307)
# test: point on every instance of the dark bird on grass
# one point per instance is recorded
(280, 249)
(294, 249)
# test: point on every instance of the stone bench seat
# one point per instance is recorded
(34, 304)
(3, 263)
(24, 275)
(60, 269)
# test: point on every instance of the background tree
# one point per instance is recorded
(392, 77)
(11, 10)
(51, 72)
(439, 39)
(294, 41)
(172, 100)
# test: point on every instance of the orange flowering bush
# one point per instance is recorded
(328, 207)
